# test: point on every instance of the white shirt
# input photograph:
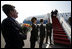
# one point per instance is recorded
(35, 25)
(13, 18)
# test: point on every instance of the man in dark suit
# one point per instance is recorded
(42, 33)
(34, 33)
(55, 12)
(11, 28)
(52, 13)
(49, 31)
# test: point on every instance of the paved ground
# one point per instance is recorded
(2, 42)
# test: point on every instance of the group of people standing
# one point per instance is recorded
(34, 33)
(13, 33)
(54, 13)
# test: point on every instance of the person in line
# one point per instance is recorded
(11, 30)
(42, 33)
(52, 13)
(55, 12)
(34, 32)
(49, 31)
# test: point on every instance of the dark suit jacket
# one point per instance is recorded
(11, 32)
(42, 30)
(34, 33)
(49, 27)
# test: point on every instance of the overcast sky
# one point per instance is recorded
(31, 8)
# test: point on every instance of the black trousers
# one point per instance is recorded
(32, 44)
(41, 41)
(48, 35)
